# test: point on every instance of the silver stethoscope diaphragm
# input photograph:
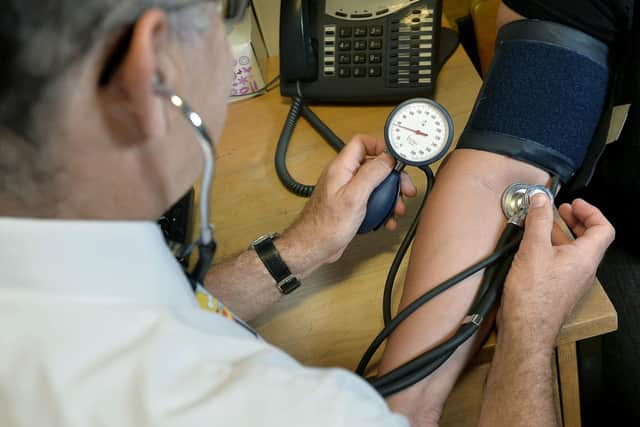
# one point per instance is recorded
(517, 198)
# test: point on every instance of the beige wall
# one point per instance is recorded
(268, 12)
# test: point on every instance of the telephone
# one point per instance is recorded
(362, 50)
(357, 51)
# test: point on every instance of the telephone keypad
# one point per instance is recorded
(398, 51)
(360, 31)
(344, 45)
(375, 31)
(360, 45)
(359, 71)
(359, 58)
(375, 58)
(345, 32)
(374, 71)
(375, 44)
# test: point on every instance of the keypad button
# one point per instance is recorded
(359, 58)
(359, 71)
(374, 71)
(330, 30)
(360, 31)
(345, 31)
(344, 45)
(360, 45)
(361, 15)
(375, 44)
(344, 58)
(375, 58)
(344, 72)
(375, 31)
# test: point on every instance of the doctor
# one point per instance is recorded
(100, 325)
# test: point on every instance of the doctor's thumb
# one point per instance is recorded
(372, 173)
(539, 222)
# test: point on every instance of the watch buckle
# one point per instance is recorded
(288, 284)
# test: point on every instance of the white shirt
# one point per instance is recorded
(99, 327)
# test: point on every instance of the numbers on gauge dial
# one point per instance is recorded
(418, 132)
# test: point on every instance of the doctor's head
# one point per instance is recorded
(83, 132)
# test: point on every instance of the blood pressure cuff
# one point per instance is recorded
(543, 97)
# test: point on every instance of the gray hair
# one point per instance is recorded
(41, 39)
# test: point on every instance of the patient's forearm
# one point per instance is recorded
(460, 225)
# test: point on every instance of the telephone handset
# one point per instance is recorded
(296, 40)
(361, 50)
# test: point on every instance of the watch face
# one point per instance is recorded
(419, 132)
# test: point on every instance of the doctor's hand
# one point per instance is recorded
(335, 211)
(551, 272)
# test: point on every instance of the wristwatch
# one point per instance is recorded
(286, 282)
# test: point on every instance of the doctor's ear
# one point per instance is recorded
(134, 68)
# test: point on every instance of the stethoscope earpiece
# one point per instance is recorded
(206, 243)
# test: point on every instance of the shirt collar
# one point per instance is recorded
(121, 260)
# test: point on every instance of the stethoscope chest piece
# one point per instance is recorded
(516, 199)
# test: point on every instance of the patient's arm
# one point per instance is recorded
(460, 225)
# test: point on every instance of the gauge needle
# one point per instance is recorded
(417, 132)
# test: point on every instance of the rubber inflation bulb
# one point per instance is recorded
(381, 203)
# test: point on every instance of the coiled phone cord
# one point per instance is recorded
(298, 108)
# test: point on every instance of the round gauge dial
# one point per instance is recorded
(419, 132)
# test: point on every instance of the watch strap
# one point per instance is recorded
(286, 282)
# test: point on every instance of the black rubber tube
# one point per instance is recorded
(402, 250)
(497, 267)
(426, 297)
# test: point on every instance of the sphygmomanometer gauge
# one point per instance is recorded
(419, 132)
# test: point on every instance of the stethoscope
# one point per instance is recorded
(205, 243)
(418, 133)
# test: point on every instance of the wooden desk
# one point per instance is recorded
(333, 317)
